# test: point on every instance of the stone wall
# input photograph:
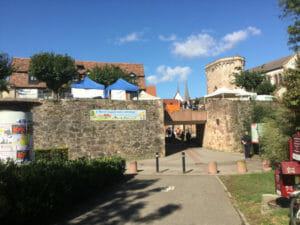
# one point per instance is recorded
(68, 123)
(218, 73)
(224, 126)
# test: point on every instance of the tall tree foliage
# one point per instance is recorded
(6, 69)
(291, 8)
(253, 81)
(54, 70)
(108, 74)
(291, 97)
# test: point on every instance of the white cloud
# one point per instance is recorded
(172, 37)
(130, 38)
(194, 46)
(254, 30)
(203, 45)
(166, 73)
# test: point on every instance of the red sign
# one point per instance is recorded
(22, 154)
(290, 168)
(18, 129)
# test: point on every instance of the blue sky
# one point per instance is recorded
(174, 40)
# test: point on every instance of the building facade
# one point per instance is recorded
(22, 85)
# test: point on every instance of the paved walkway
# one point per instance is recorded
(160, 200)
(196, 163)
(168, 197)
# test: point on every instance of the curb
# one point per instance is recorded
(241, 215)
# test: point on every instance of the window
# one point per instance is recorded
(280, 78)
(134, 79)
(33, 80)
(269, 79)
(276, 79)
(75, 79)
(80, 67)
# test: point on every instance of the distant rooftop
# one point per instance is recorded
(276, 64)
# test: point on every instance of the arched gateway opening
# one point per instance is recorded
(184, 129)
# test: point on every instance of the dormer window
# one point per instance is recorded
(80, 67)
(133, 79)
(32, 80)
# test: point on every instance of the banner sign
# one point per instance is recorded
(106, 115)
(256, 131)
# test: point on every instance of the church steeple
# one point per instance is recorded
(177, 95)
(186, 96)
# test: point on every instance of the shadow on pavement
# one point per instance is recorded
(173, 148)
(121, 204)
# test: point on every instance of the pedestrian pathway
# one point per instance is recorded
(196, 160)
(159, 200)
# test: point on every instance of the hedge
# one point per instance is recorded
(59, 153)
(34, 192)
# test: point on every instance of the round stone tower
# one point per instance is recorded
(218, 73)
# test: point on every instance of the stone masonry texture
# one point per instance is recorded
(67, 123)
(225, 123)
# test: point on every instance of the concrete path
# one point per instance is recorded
(196, 163)
(160, 200)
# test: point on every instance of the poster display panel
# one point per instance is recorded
(16, 136)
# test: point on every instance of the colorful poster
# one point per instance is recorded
(107, 115)
(16, 141)
(256, 131)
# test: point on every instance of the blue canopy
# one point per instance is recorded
(121, 84)
(87, 83)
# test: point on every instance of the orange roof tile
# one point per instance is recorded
(151, 90)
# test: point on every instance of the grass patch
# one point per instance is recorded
(247, 190)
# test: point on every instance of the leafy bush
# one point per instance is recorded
(59, 153)
(279, 126)
(265, 88)
(33, 193)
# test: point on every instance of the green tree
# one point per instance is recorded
(291, 97)
(6, 69)
(54, 70)
(248, 80)
(279, 126)
(265, 88)
(291, 8)
(108, 74)
(292, 83)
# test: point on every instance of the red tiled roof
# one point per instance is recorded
(22, 65)
(151, 90)
(171, 102)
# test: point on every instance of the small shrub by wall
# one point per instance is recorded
(59, 153)
(33, 193)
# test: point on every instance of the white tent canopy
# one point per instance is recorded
(145, 96)
(227, 93)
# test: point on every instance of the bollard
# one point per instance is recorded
(266, 165)
(157, 162)
(241, 167)
(212, 168)
(183, 162)
(132, 167)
